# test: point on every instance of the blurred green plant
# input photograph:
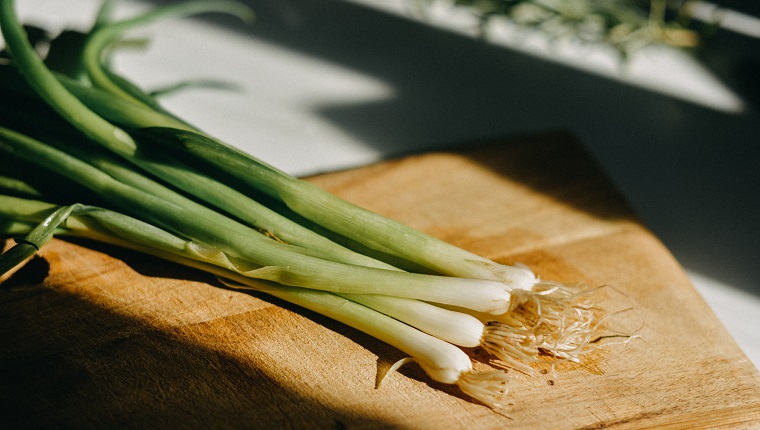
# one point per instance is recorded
(624, 25)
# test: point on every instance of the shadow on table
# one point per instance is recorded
(66, 361)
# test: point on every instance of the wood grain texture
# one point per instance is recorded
(96, 337)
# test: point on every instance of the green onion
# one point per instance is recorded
(527, 328)
(140, 178)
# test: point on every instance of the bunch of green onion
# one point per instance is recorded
(100, 159)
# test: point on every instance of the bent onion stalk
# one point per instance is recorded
(179, 194)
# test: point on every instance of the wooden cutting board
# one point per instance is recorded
(96, 337)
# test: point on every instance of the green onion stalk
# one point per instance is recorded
(163, 187)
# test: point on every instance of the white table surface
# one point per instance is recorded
(330, 85)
